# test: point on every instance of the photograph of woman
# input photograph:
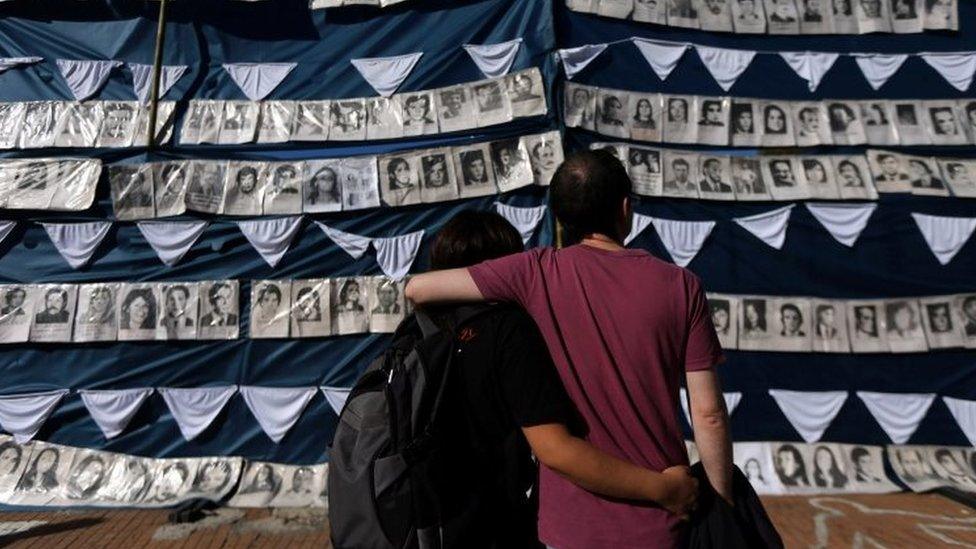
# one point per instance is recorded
(790, 468)
(473, 164)
(400, 179)
(137, 312)
(95, 319)
(45, 475)
(349, 301)
(418, 114)
(270, 305)
(384, 118)
(129, 480)
(545, 155)
(87, 474)
(322, 191)
(826, 470)
(777, 127)
(245, 192)
(310, 308)
(645, 120)
(438, 183)
(511, 163)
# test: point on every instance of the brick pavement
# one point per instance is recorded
(890, 521)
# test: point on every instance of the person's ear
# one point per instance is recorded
(624, 218)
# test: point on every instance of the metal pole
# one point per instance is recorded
(157, 70)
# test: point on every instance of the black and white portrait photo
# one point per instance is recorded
(437, 180)
(967, 108)
(13, 461)
(867, 326)
(349, 306)
(54, 308)
(88, 473)
(138, 308)
(680, 169)
(754, 324)
(943, 123)
(419, 116)
(260, 483)
(748, 16)
(645, 116)
(96, 319)
(456, 109)
(310, 308)
(909, 123)
(650, 11)
(904, 326)
(866, 466)
(878, 118)
(716, 15)
(129, 480)
(941, 15)
(713, 121)
(941, 329)
(510, 161)
(283, 188)
(950, 466)
(240, 122)
(219, 310)
(322, 191)
(912, 466)
(815, 17)
(275, 121)
(818, 171)
(775, 124)
(178, 311)
(612, 107)
(172, 481)
(29, 184)
(853, 177)
(11, 121)
(907, 16)
(644, 168)
(747, 178)
(400, 179)
(244, 194)
(785, 177)
(580, 106)
(205, 191)
(846, 127)
(270, 308)
(829, 327)
(38, 127)
(76, 183)
(169, 185)
(724, 312)
(782, 17)
(472, 164)
(844, 20)
(715, 178)
(215, 478)
(386, 304)
(491, 102)
(791, 323)
(742, 123)
(526, 93)
(347, 120)
(360, 182)
(683, 13)
(303, 485)
(16, 307)
(78, 124)
(828, 468)
(132, 191)
(790, 467)
(960, 175)
(545, 155)
(679, 127)
(384, 118)
(43, 480)
(872, 16)
(924, 176)
(889, 172)
(211, 120)
(311, 121)
(755, 461)
(810, 125)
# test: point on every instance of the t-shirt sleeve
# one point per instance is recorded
(702, 349)
(529, 381)
(508, 278)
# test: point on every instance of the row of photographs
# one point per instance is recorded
(246, 187)
(706, 176)
(322, 4)
(802, 324)
(742, 122)
(783, 16)
(59, 184)
(108, 124)
(43, 474)
(462, 107)
(150, 311)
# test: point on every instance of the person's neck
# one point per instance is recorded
(601, 241)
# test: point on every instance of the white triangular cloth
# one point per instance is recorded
(810, 413)
(113, 409)
(576, 59)
(879, 67)
(844, 222)
(257, 80)
(956, 67)
(945, 235)
(195, 409)
(494, 60)
(76, 242)
(84, 77)
(355, 245)
(336, 397)
(526, 220)
(171, 239)
(271, 237)
(663, 57)
(731, 403)
(396, 254)
(810, 65)
(142, 79)
(682, 239)
(638, 224)
(7, 63)
(897, 413)
(277, 409)
(724, 64)
(23, 415)
(770, 227)
(385, 74)
(6, 227)
(964, 411)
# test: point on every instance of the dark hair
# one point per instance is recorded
(586, 194)
(471, 237)
(858, 453)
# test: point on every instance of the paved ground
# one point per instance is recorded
(889, 521)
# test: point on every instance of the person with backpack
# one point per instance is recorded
(623, 329)
(444, 459)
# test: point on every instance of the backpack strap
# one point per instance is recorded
(427, 326)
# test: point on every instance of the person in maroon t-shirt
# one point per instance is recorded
(623, 329)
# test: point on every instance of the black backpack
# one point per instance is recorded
(387, 465)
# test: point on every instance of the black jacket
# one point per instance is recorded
(716, 524)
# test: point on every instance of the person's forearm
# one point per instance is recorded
(450, 286)
(715, 450)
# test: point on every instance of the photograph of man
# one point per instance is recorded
(387, 298)
(283, 193)
(716, 16)
(952, 470)
(940, 319)
(130, 480)
(310, 308)
(220, 319)
(721, 317)
(961, 177)
(845, 126)
(826, 318)
(967, 310)
(713, 174)
(437, 176)
(205, 192)
(781, 170)
(682, 13)
(178, 319)
(711, 113)
(455, 109)
(812, 11)
(270, 308)
(525, 93)
(904, 329)
(677, 181)
(943, 121)
(791, 320)
(747, 177)
(275, 120)
(612, 114)
(969, 108)
(865, 465)
(132, 191)
(386, 304)
(545, 155)
(748, 16)
(477, 177)
(890, 174)
(580, 106)
(915, 469)
(491, 103)
(903, 10)
(678, 110)
(347, 120)
(941, 14)
(944, 126)
(866, 323)
(118, 125)
(452, 101)
(649, 11)
(789, 466)
(13, 305)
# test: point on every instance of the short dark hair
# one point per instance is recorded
(586, 194)
(471, 237)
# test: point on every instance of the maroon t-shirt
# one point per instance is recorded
(622, 328)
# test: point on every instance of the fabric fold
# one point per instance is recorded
(682, 239)
(85, 77)
(353, 244)
(770, 227)
(271, 237)
(385, 74)
(879, 67)
(638, 224)
(171, 239)
(899, 414)
(7, 63)
(526, 220)
(277, 409)
(142, 79)
(257, 80)
(396, 254)
(945, 235)
(810, 65)
(956, 67)
(6, 227)
(810, 413)
(77, 242)
(964, 412)
(113, 409)
(725, 65)
(195, 409)
(663, 57)
(576, 59)
(494, 60)
(844, 222)
(336, 397)
(23, 415)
